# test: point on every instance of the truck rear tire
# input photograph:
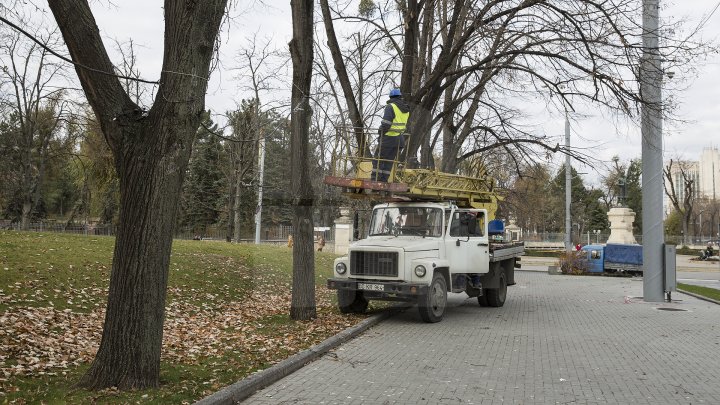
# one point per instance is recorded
(351, 302)
(432, 306)
(496, 296)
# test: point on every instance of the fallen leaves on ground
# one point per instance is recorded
(36, 341)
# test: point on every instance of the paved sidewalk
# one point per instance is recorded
(559, 339)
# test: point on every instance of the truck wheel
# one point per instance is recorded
(496, 296)
(351, 302)
(432, 305)
(482, 299)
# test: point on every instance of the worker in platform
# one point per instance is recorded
(391, 140)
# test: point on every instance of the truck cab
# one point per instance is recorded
(420, 251)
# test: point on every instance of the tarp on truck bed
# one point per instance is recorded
(626, 254)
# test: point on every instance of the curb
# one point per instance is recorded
(700, 297)
(242, 389)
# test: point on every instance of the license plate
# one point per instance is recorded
(371, 287)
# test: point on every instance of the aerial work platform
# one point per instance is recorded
(355, 174)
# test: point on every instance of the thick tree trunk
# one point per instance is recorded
(129, 354)
(303, 305)
(151, 151)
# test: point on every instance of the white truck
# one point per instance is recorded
(421, 251)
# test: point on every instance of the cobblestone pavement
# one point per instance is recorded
(558, 339)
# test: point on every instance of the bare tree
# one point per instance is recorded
(303, 305)
(243, 155)
(682, 200)
(37, 106)
(254, 68)
(151, 149)
(460, 62)
(131, 82)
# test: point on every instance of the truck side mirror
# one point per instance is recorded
(457, 242)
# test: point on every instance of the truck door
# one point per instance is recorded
(467, 244)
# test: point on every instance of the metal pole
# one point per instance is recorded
(701, 238)
(568, 174)
(652, 149)
(261, 168)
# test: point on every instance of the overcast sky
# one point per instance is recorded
(142, 22)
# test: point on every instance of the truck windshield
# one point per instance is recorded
(414, 221)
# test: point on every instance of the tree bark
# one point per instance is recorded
(303, 305)
(151, 152)
(339, 63)
(410, 46)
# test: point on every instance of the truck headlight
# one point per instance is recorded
(420, 270)
(340, 268)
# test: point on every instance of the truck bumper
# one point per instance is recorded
(378, 288)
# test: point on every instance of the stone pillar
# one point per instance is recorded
(513, 232)
(343, 231)
(621, 225)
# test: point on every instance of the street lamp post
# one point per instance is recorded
(258, 210)
(701, 238)
(652, 150)
(568, 226)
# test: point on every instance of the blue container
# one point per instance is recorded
(496, 227)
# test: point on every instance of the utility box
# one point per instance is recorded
(669, 267)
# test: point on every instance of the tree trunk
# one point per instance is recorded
(303, 305)
(230, 211)
(410, 47)
(151, 150)
(129, 354)
(339, 63)
(27, 203)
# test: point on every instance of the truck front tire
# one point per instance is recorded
(432, 306)
(482, 299)
(496, 296)
(351, 302)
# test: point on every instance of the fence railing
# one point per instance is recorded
(269, 233)
(280, 233)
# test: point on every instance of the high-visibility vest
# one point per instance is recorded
(399, 122)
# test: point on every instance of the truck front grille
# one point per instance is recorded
(374, 264)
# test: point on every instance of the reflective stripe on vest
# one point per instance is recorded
(399, 122)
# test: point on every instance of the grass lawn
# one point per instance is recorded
(703, 291)
(226, 316)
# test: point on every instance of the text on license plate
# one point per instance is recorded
(371, 287)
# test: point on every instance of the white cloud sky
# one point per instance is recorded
(142, 21)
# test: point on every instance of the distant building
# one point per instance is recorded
(710, 173)
(704, 173)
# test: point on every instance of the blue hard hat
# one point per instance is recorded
(395, 93)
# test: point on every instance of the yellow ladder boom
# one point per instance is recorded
(352, 164)
(421, 184)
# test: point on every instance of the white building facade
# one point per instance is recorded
(709, 165)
